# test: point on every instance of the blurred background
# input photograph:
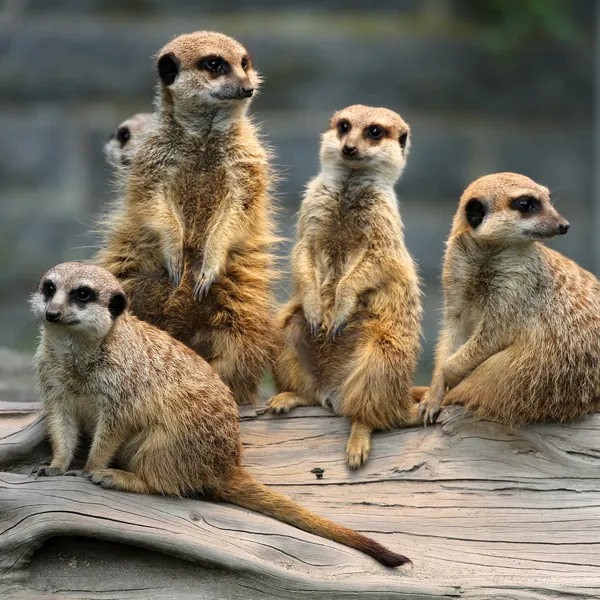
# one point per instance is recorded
(486, 85)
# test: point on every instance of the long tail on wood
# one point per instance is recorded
(243, 490)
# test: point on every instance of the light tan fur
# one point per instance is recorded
(160, 419)
(192, 245)
(520, 340)
(352, 325)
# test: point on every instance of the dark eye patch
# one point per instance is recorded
(375, 132)
(475, 212)
(245, 63)
(48, 289)
(403, 139)
(343, 127)
(526, 204)
(82, 295)
(123, 135)
(214, 64)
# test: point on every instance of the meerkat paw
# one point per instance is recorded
(338, 323)
(104, 478)
(46, 471)
(359, 446)
(283, 403)
(429, 410)
(357, 453)
(175, 269)
(76, 473)
(314, 322)
(203, 282)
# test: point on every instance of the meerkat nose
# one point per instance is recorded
(247, 92)
(563, 228)
(349, 150)
(52, 316)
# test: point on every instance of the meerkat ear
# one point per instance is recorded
(403, 139)
(475, 212)
(117, 304)
(168, 68)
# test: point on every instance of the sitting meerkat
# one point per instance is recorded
(352, 325)
(520, 340)
(149, 403)
(192, 243)
(123, 142)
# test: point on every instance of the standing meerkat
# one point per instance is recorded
(192, 243)
(520, 340)
(149, 403)
(121, 146)
(352, 325)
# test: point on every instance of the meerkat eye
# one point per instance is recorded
(123, 135)
(48, 289)
(84, 294)
(343, 127)
(525, 204)
(403, 139)
(215, 64)
(244, 63)
(375, 132)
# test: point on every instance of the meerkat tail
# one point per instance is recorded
(418, 392)
(243, 490)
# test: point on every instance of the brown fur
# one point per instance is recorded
(151, 405)
(198, 220)
(521, 331)
(351, 327)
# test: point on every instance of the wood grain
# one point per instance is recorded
(483, 511)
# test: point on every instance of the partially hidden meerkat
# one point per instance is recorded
(192, 244)
(151, 406)
(352, 325)
(121, 146)
(520, 340)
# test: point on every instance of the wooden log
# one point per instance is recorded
(482, 510)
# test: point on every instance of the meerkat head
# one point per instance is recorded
(78, 298)
(508, 208)
(362, 137)
(206, 71)
(123, 141)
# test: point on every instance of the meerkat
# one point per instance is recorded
(149, 403)
(192, 245)
(121, 146)
(351, 329)
(520, 337)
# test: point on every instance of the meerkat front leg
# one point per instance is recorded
(450, 339)
(221, 237)
(483, 344)
(363, 276)
(305, 273)
(165, 222)
(105, 444)
(64, 437)
(359, 445)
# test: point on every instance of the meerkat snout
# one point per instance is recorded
(362, 137)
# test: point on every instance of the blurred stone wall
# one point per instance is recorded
(71, 70)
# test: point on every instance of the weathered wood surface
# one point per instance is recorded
(484, 512)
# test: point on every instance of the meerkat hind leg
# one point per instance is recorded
(116, 479)
(284, 402)
(359, 445)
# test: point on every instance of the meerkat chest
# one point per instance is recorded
(340, 241)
